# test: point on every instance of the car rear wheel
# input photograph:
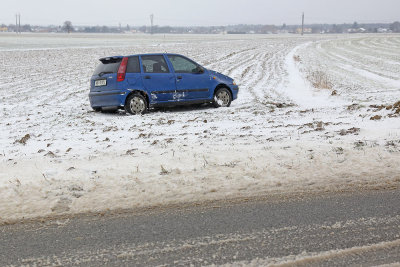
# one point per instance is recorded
(136, 104)
(222, 98)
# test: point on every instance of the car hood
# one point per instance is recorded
(220, 75)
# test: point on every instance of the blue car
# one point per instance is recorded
(139, 82)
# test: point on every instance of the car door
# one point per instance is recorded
(157, 79)
(133, 75)
(192, 81)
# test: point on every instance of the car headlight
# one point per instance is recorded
(234, 83)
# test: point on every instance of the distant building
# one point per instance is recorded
(382, 30)
(306, 30)
(357, 30)
(236, 32)
(282, 31)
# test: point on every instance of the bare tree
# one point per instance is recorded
(68, 26)
(395, 27)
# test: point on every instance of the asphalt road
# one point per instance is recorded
(340, 229)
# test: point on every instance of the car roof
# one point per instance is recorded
(135, 55)
(148, 54)
(155, 54)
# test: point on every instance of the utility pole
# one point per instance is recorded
(302, 24)
(18, 23)
(151, 20)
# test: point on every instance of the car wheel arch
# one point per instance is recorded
(222, 85)
(143, 93)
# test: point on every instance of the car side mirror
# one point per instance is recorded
(199, 70)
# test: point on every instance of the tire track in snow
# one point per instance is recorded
(350, 73)
(378, 66)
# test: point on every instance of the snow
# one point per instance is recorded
(319, 258)
(281, 135)
(299, 88)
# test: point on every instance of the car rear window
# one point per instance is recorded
(109, 65)
(133, 65)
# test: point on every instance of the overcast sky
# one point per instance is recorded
(197, 12)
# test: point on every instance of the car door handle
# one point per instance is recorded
(179, 77)
(147, 77)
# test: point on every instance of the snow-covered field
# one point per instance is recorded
(314, 113)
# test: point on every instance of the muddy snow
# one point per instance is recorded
(314, 113)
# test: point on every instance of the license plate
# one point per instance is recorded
(100, 83)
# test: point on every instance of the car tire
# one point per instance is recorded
(222, 98)
(136, 104)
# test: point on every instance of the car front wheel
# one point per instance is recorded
(222, 98)
(136, 104)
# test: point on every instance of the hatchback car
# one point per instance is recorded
(139, 82)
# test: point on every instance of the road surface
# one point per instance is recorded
(336, 229)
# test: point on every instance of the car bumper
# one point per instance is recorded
(107, 99)
(235, 91)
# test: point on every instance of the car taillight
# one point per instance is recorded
(122, 70)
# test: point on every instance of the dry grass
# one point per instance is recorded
(353, 130)
(320, 80)
(23, 140)
(376, 118)
(164, 171)
(353, 107)
(396, 107)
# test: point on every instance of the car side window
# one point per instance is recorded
(154, 64)
(133, 65)
(183, 65)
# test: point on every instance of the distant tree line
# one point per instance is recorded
(12, 27)
(355, 27)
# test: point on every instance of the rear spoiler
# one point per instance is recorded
(108, 60)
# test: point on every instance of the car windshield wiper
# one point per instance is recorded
(104, 72)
